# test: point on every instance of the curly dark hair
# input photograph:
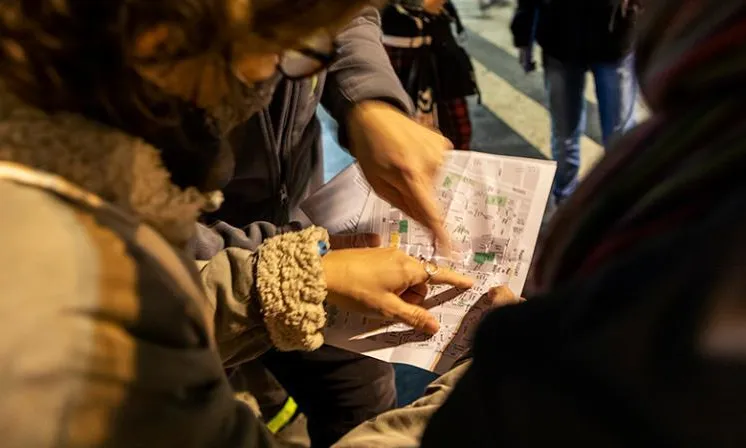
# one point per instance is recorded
(79, 56)
(76, 54)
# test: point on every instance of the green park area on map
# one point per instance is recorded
(500, 201)
(484, 257)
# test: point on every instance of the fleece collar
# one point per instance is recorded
(121, 169)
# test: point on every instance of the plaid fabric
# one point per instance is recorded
(455, 123)
(402, 59)
(453, 115)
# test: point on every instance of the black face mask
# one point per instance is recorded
(191, 141)
(196, 152)
(192, 150)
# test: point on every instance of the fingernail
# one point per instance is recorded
(432, 328)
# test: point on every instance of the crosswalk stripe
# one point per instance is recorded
(526, 117)
(495, 28)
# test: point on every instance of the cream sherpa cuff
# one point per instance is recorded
(292, 289)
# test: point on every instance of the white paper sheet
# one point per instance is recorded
(338, 205)
(493, 209)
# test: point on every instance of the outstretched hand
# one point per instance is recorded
(385, 283)
(401, 160)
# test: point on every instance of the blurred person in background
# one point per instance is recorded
(577, 37)
(279, 161)
(635, 334)
(111, 123)
(434, 69)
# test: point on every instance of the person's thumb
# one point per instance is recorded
(415, 316)
(502, 295)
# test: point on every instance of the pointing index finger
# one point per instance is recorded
(425, 209)
(446, 276)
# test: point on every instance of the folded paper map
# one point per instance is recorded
(493, 208)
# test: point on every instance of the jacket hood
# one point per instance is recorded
(121, 169)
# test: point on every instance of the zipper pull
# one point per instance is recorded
(284, 194)
(284, 200)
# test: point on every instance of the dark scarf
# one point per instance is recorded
(689, 155)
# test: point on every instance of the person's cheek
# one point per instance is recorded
(200, 81)
(255, 68)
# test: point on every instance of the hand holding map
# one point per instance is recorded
(366, 281)
(493, 207)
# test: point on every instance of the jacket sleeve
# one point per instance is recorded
(362, 71)
(209, 240)
(524, 20)
(268, 296)
(404, 427)
(110, 349)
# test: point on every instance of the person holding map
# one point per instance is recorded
(111, 118)
(635, 336)
(279, 159)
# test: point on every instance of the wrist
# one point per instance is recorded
(361, 111)
(356, 118)
(368, 115)
(333, 269)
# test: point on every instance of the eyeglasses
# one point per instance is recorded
(316, 54)
(313, 55)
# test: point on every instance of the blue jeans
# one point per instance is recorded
(616, 89)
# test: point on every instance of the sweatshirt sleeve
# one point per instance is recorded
(362, 71)
(209, 240)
